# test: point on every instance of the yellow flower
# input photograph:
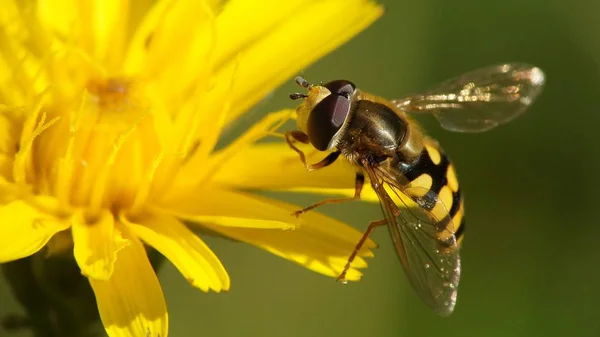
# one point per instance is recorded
(109, 115)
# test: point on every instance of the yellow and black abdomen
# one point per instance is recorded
(433, 172)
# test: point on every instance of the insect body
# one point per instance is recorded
(413, 178)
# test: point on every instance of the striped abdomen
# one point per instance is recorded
(433, 173)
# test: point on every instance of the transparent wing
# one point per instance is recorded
(428, 251)
(479, 100)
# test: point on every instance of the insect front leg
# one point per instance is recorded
(328, 160)
(363, 239)
(359, 183)
(301, 137)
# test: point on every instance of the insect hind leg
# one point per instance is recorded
(359, 183)
(361, 242)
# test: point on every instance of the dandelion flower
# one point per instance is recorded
(109, 115)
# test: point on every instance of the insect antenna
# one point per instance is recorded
(297, 95)
(302, 82)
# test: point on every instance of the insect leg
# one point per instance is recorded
(359, 182)
(368, 232)
(303, 138)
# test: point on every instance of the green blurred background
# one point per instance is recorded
(530, 255)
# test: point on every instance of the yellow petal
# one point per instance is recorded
(59, 17)
(183, 248)
(199, 130)
(173, 44)
(266, 16)
(294, 41)
(315, 252)
(99, 26)
(275, 166)
(8, 191)
(96, 244)
(198, 173)
(231, 209)
(237, 204)
(24, 230)
(21, 77)
(131, 302)
(239, 222)
(105, 29)
(9, 130)
(319, 243)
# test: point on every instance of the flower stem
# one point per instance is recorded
(58, 301)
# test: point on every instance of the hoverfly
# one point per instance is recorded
(414, 179)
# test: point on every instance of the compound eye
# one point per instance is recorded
(341, 87)
(326, 119)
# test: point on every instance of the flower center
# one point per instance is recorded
(111, 93)
(99, 150)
